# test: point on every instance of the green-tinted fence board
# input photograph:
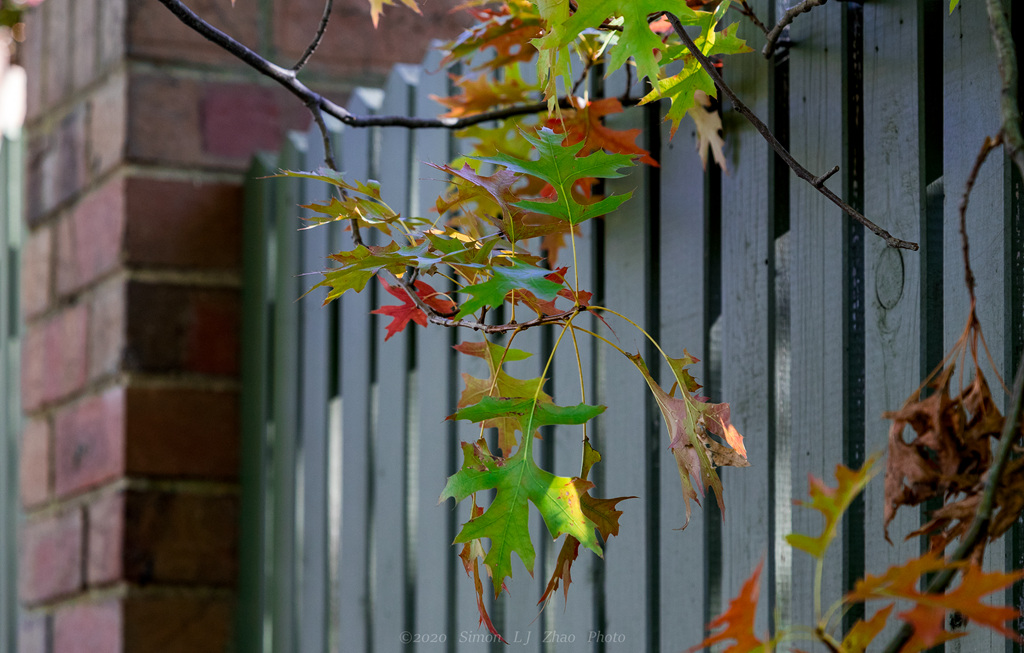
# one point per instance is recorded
(816, 228)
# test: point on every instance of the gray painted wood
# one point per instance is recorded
(575, 616)
(390, 445)
(357, 343)
(286, 433)
(893, 192)
(314, 402)
(624, 427)
(745, 373)
(816, 229)
(437, 569)
(682, 285)
(971, 71)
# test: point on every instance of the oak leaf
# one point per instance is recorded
(408, 310)
(738, 620)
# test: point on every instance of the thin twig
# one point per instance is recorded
(767, 134)
(287, 78)
(979, 527)
(772, 37)
(315, 43)
(747, 11)
(1007, 56)
(986, 147)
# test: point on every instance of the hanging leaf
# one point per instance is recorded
(738, 620)
(408, 310)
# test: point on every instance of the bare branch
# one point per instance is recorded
(315, 43)
(986, 147)
(287, 78)
(747, 11)
(772, 37)
(767, 134)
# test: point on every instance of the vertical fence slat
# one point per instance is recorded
(257, 297)
(575, 617)
(392, 393)
(816, 228)
(11, 155)
(437, 569)
(971, 73)
(314, 388)
(745, 373)
(357, 340)
(286, 409)
(624, 427)
(682, 298)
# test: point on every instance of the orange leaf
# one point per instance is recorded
(584, 124)
(738, 619)
(863, 632)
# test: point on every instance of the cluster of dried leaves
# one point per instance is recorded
(950, 456)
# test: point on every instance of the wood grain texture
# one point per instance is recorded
(745, 373)
(682, 297)
(818, 377)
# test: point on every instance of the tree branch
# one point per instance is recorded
(315, 43)
(816, 181)
(1006, 54)
(288, 79)
(979, 527)
(986, 147)
(772, 37)
(747, 11)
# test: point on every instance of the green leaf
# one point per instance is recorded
(359, 266)
(953, 4)
(519, 482)
(559, 166)
(505, 279)
(832, 502)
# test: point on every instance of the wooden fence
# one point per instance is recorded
(11, 183)
(806, 324)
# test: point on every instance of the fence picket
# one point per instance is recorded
(357, 353)
(745, 328)
(817, 228)
(682, 288)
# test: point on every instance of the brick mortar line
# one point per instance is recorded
(57, 507)
(136, 380)
(121, 590)
(49, 115)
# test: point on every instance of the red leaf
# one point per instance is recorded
(408, 310)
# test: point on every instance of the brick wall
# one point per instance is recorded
(138, 131)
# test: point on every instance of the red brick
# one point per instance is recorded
(106, 329)
(55, 166)
(89, 628)
(177, 625)
(113, 15)
(107, 125)
(180, 539)
(54, 358)
(182, 433)
(175, 223)
(351, 45)
(34, 59)
(179, 328)
(51, 557)
(237, 118)
(156, 101)
(35, 462)
(89, 240)
(155, 33)
(89, 444)
(58, 50)
(36, 266)
(33, 632)
(85, 33)
(106, 540)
